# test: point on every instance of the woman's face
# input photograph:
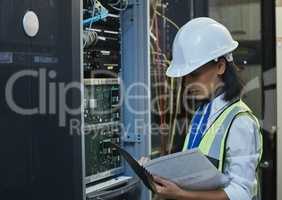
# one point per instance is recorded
(202, 83)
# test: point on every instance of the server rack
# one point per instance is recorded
(40, 159)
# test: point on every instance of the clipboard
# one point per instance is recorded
(199, 174)
(141, 172)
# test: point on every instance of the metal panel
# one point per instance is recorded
(38, 152)
(35, 149)
(136, 81)
(57, 146)
(15, 137)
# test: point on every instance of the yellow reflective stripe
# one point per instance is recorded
(210, 133)
(209, 136)
(261, 143)
(260, 135)
(186, 141)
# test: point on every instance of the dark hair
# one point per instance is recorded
(233, 84)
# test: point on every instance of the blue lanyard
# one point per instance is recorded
(198, 125)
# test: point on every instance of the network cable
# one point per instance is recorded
(98, 15)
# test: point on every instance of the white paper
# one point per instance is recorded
(189, 169)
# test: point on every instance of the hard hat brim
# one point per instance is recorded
(178, 70)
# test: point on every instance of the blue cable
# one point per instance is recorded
(103, 14)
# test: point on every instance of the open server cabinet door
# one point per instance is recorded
(40, 153)
(15, 137)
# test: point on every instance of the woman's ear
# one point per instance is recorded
(221, 66)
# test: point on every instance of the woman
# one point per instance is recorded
(223, 127)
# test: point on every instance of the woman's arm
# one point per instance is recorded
(203, 195)
(169, 189)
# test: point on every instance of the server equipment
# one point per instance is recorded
(102, 98)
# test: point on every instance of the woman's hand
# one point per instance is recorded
(143, 160)
(167, 189)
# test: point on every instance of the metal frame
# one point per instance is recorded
(279, 105)
(77, 75)
(136, 69)
(269, 103)
(200, 7)
(82, 105)
(103, 175)
(101, 81)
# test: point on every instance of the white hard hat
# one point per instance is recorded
(198, 42)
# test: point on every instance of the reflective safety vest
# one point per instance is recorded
(213, 143)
